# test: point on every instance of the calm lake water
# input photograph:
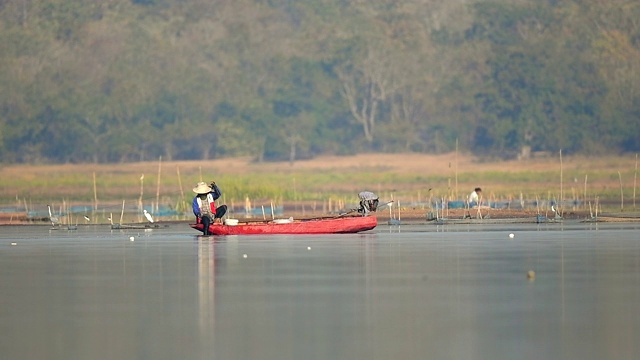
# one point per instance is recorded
(398, 292)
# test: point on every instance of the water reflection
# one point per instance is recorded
(206, 287)
(451, 295)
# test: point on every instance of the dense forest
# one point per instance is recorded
(132, 80)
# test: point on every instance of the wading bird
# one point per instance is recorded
(147, 215)
(54, 219)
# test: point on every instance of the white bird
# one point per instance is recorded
(54, 219)
(87, 218)
(147, 215)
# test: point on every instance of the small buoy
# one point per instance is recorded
(14, 244)
(131, 238)
(531, 274)
(244, 256)
(511, 235)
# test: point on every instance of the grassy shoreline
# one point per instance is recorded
(325, 183)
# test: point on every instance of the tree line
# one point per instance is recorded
(132, 80)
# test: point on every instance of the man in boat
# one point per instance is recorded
(368, 202)
(204, 206)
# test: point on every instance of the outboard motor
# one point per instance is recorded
(368, 202)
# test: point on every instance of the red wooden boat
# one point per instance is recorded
(333, 225)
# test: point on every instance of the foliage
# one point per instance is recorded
(131, 80)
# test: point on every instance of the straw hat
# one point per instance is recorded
(202, 188)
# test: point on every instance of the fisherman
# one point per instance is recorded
(474, 197)
(204, 207)
(368, 202)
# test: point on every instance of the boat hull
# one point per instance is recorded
(339, 225)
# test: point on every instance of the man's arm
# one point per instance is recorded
(196, 207)
(216, 193)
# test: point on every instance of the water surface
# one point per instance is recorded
(398, 292)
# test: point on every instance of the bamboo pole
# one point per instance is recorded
(295, 202)
(635, 177)
(585, 189)
(122, 212)
(456, 169)
(181, 189)
(141, 191)
(561, 193)
(64, 211)
(158, 186)
(247, 206)
(95, 192)
(621, 193)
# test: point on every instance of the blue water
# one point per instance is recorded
(398, 292)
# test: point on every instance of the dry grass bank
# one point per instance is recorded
(407, 177)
